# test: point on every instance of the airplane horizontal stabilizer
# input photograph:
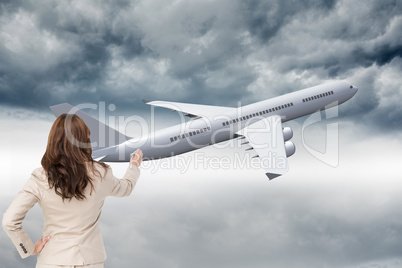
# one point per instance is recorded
(102, 136)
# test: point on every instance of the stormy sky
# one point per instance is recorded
(217, 53)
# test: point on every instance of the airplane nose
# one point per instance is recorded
(354, 89)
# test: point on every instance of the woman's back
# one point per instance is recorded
(73, 224)
(70, 188)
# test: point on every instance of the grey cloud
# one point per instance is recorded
(215, 53)
(348, 42)
(367, 99)
(377, 102)
(265, 18)
(196, 219)
(340, 41)
(240, 227)
(79, 70)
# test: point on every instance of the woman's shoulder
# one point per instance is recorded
(39, 174)
(39, 177)
(102, 168)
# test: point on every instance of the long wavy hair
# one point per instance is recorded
(67, 161)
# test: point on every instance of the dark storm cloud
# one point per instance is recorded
(215, 53)
(265, 18)
(37, 76)
(345, 42)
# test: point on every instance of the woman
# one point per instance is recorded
(70, 188)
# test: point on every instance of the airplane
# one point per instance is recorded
(258, 124)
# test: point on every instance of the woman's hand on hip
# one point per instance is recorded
(136, 159)
(40, 244)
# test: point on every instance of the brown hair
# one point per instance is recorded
(67, 156)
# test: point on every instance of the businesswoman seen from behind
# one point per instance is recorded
(70, 188)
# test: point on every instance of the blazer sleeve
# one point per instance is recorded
(124, 187)
(15, 214)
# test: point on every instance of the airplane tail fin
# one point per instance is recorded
(102, 136)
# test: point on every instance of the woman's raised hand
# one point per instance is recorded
(136, 159)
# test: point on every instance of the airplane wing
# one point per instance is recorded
(191, 110)
(266, 138)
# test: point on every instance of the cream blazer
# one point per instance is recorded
(73, 225)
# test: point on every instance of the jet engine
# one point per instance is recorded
(290, 148)
(287, 133)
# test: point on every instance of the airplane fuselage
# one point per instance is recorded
(205, 131)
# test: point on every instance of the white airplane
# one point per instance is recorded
(259, 124)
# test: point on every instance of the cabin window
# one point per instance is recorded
(175, 138)
(171, 140)
(198, 132)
